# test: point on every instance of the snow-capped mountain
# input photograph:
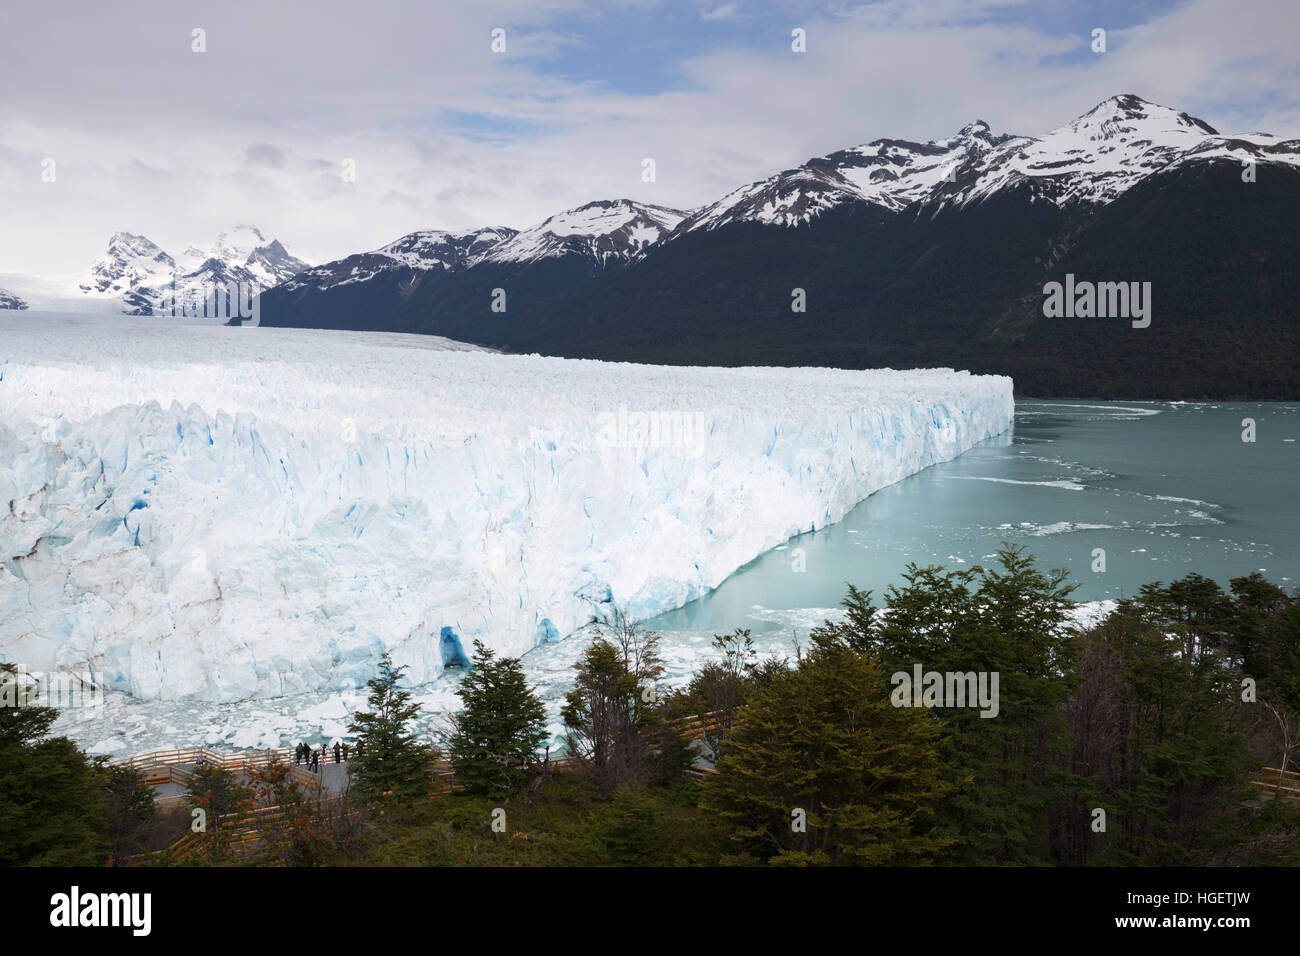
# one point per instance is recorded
(603, 232)
(392, 287)
(1108, 150)
(138, 271)
(242, 254)
(132, 268)
(1093, 159)
(922, 254)
(891, 173)
(430, 249)
(9, 300)
(910, 254)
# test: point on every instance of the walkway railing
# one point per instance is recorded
(241, 832)
(161, 763)
(1277, 784)
(159, 767)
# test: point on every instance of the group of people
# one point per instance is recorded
(303, 754)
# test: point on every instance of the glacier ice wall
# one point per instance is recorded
(232, 513)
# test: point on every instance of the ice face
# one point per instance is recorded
(230, 513)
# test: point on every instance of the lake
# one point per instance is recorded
(1164, 489)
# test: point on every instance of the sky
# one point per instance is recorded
(337, 126)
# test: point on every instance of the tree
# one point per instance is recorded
(719, 688)
(1157, 737)
(1010, 620)
(219, 804)
(625, 830)
(298, 833)
(1194, 607)
(502, 725)
(129, 803)
(392, 762)
(52, 811)
(614, 703)
(822, 769)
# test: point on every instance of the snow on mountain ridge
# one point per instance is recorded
(1092, 159)
(138, 271)
(12, 301)
(602, 231)
(130, 260)
(435, 247)
(890, 173)
(421, 251)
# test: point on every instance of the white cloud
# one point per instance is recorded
(723, 12)
(156, 140)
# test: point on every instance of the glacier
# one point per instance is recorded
(192, 511)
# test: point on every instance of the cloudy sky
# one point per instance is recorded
(148, 136)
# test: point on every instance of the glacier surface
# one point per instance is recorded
(231, 513)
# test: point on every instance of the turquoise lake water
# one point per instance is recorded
(1165, 489)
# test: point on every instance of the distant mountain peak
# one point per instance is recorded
(975, 128)
(136, 269)
(1127, 111)
(602, 231)
(10, 301)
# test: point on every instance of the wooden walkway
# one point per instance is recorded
(1275, 784)
(242, 834)
(162, 767)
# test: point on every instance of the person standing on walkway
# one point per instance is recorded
(338, 752)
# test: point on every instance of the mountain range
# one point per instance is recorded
(892, 253)
(907, 254)
(135, 270)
